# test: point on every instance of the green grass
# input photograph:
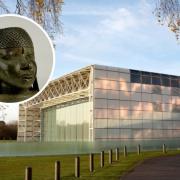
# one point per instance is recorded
(13, 168)
(7, 141)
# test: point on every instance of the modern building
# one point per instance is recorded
(101, 103)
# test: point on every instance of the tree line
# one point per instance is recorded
(8, 131)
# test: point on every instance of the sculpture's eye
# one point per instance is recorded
(10, 54)
(29, 56)
(6, 57)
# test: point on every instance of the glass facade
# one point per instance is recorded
(122, 105)
(135, 105)
(154, 78)
(66, 122)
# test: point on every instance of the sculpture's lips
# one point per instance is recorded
(27, 77)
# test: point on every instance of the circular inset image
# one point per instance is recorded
(26, 58)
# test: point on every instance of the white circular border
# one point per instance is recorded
(52, 49)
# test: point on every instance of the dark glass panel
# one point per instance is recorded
(146, 80)
(156, 80)
(146, 73)
(135, 72)
(174, 83)
(155, 74)
(165, 81)
(174, 77)
(135, 78)
(165, 76)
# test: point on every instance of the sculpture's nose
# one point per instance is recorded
(26, 64)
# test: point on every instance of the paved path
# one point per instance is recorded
(161, 168)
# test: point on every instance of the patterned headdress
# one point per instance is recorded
(14, 37)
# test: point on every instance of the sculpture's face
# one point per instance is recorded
(18, 67)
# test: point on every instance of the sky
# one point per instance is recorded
(121, 33)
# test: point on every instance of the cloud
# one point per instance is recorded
(102, 40)
(66, 40)
(119, 21)
(87, 12)
(122, 35)
(98, 34)
(80, 59)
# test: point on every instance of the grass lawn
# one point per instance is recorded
(13, 168)
(7, 141)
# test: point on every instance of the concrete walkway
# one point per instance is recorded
(161, 168)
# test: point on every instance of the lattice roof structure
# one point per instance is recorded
(69, 87)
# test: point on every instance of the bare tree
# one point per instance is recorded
(8, 131)
(44, 12)
(168, 13)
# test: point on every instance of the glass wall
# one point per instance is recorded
(48, 124)
(143, 106)
(66, 122)
(154, 78)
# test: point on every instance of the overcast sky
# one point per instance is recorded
(116, 33)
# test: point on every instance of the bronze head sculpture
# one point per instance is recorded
(17, 65)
